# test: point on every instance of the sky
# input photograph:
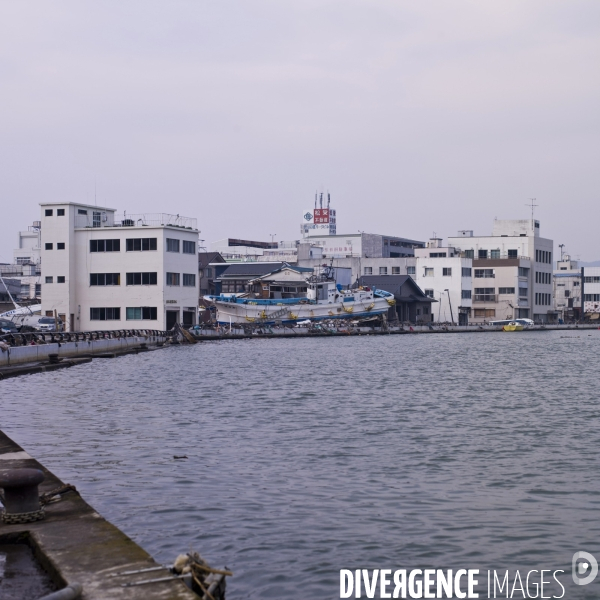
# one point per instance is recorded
(417, 116)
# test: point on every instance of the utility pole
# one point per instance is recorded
(450, 303)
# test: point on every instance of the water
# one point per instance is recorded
(312, 455)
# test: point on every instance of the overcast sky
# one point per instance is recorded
(417, 116)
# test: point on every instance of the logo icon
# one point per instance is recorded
(307, 216)
(584, 562)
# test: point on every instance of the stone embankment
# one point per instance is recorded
(77, 547)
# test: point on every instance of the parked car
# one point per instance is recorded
(7, 326)
(37, 323)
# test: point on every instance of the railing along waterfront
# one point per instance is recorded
(54, 337)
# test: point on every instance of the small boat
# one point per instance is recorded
(513, 326)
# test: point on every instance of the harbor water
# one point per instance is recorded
(307, 456)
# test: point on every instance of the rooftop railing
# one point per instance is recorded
(98, 219)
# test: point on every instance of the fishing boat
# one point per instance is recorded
(513, 326)
(323, 299)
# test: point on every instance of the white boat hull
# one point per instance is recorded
(238, 312)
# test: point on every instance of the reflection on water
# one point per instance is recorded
(308, 456)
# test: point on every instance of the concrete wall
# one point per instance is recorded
(28, 354)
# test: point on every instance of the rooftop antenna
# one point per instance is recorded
(95, 201)
(328, 200)
(532, 206)
(321, 200)
(315, 200)
(561, 246)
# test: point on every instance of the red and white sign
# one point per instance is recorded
(321, 215)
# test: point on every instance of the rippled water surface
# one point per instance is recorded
(307, 456)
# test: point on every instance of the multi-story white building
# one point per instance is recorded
(512, 271)
(443, 274)
(101, 273)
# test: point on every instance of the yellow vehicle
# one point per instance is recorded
(513, 326)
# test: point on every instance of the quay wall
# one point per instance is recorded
(30, 354)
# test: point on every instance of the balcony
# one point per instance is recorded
(480, 298)
(99, 219)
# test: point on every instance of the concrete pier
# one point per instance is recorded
(75, 544)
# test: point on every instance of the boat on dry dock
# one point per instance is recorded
(316, 297)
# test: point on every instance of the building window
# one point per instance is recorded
(189, 280)
(81, 211)
(437, 255)
(447, 272)
(383, 270)
(426, 310)
(172, 245)
(60, 212)
(506, 290)
(429, 293)
(189, 247)
(105, 279)
(575, 283)
(48, 245)
(513, 254)
(469, 253)
(466, 272)
(485, 295)
(49, 279)
(465, 294)
(48, 212)
(23, 260)
(209, 273)
(141, 278)
(395, 270)
(482, 254)
(523, 292)
(140, 244)
(495, 253)
(591, 297)
(60, 246)
(591, 279)
(523, 271)
(484, 274)
(368, 271)
(96, 219)
(111, 313)
(144, 313)
(105, 245)
(484, 313)
(172, 278)
(428, 272)
(411, 270)
(60, 279)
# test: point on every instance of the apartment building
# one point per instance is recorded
(443, 274)
(512, 271)
(100, 272)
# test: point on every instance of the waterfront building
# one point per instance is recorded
(446, 275)
(512, 271)
(206, 271)
(237, 250)
(591, 292)
(106, 273)
(567, 289)
(412, 305)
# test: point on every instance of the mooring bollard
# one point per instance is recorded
(21, 498)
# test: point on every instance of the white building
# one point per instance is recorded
(365, 245)
(443, 274)
(512, 271)
(591, 292)
(29, 249)
(567, 289)
(101, 273)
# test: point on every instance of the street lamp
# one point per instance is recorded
(450, 303)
